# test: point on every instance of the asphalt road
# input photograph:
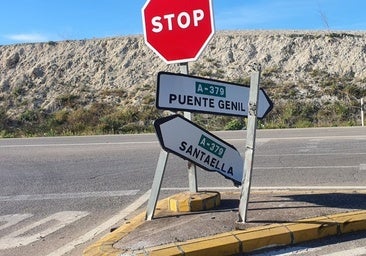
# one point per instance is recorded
(74, 189)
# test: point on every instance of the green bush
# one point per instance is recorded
(235, 124)
(295, 106)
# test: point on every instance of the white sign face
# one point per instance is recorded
(195, 94)
(187, 140)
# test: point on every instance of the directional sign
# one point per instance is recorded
(195, 94)
(189, 141)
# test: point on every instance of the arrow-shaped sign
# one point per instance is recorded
(195, 94)
(189, 141)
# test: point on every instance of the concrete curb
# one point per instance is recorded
(239, 241)
(245, 241)
(105, 245)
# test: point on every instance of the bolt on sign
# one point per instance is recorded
(182, 137)
(178, 30)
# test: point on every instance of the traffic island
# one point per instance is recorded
(277, 218)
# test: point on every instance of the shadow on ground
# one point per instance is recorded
(338, 200)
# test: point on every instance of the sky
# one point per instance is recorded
(26, 21)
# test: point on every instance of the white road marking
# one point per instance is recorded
(330, 188)
(360, 251)
(295, 250)
(68, 195)
(200, 188)
(79, 144)
(306, 167)
(362, 167)
(300, 250)
(312, 144)
(254, 188)
(259, 142)
(30, 233)
(13, 219)
(315, 154)
(358, 137)
(103, 227)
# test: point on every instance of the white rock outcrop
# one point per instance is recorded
(123, 70)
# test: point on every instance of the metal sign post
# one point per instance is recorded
(176, 42)
(192, 170)
(160, 169)
(250, 146)
(363, 107)
(155, 189)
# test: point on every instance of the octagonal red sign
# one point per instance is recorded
(178, 30)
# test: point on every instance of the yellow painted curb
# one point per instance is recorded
(104, 247)
(244, 241)
(350, 222)
(256, 238)
(310, 229)
(169, 250)
(222, 244)
(192, 202)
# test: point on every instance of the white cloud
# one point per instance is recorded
(33, 37)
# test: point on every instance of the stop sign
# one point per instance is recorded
(178, 30)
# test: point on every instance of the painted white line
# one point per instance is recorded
(80, 144)
(362, 167)
(295, 250)
(200, 188)
(68, 195)
(305, 167)
(254, 188)
(300, 250)
(358, 137)
(331, 188)
(314, 154)
(31, 233)
(311, 138)
(103, 227)
(360, 251)
(258, 141)
(10, 220)
(311, 145)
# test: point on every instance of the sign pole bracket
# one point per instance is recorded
(250, 146)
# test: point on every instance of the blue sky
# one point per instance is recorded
(54, 20)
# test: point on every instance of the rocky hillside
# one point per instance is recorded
(299, 65)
